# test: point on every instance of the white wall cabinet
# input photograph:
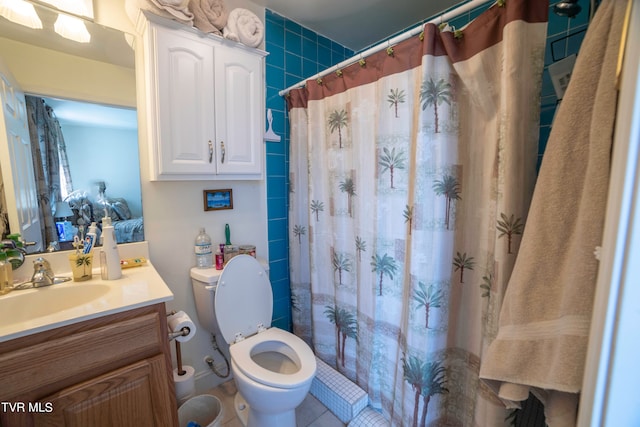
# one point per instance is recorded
(204, 99)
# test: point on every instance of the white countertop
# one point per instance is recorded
(25, 312)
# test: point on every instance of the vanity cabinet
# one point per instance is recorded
(204, 99)
(110, 371)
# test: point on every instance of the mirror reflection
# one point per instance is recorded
(84, 154)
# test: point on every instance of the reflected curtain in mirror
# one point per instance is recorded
(50, 163)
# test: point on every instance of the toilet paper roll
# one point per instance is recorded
(185, 384)
(181, 320)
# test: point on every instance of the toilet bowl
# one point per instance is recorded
(272, 368)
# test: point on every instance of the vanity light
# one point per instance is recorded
(72, 28)
(20, 12)
(75, 7)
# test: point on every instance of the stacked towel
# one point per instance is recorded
(209, 16)
(545, 318)
(245, 27)
(173, 9)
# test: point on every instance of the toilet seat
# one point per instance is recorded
(277, 340)
(243, 299)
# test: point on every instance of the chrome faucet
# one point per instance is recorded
(42, 273)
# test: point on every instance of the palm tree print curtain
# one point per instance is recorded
(411, 176)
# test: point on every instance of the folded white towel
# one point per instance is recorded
(244, 26)
(209, 16)
(173, 9)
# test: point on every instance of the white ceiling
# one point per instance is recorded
(357, 24)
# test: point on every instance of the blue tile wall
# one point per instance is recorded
(295, 54)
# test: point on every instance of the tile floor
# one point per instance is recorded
(311, 413)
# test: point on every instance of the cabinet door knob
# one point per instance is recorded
(222, 151)
(210, 151)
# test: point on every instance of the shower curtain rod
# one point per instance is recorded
(453, 13)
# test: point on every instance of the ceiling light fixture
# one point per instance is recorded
(72, 28)
(20, 12)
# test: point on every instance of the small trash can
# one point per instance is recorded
(205, 410)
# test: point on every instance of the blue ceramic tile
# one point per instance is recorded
(324, 57)
(309, 68)
(278, 249)
(275, 102)
(293, 65)
(308, 34)
(574, 42)
(557, 24)
(276, 54)
(275, 164)
(290, 79)
(293, 27)
(276, 148)
(281, 310)
(277, 229)
(275, 76)
(281, 287)
(309, 50)
(274, 17)
(293, 43)
(324, 42)
(276, 186)
(283, 323)
(274, 34)
(278, 269)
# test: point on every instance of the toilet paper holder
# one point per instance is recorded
(181, 333)
(173, 335)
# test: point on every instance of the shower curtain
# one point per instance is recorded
(49, 160)
(411, 176)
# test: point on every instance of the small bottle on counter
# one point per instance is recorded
(6, 274)
(219, 260)
(109, 257)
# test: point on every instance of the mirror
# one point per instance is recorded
(91, 89)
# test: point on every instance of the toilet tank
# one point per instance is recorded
(204, 282)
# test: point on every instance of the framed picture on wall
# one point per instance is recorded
(215, 200)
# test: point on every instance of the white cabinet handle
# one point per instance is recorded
(222, 151)
(210, 151)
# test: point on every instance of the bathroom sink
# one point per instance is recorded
(27, 305)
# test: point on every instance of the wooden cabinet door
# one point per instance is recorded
(134, 396)
(185, 103)
(239, 110)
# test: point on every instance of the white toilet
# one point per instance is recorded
(273, 368)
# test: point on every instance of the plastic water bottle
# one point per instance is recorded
(204, 254)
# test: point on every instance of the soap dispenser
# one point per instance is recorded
(109, 256)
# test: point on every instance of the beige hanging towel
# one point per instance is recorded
(544, 322)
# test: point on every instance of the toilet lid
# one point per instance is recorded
(243, 298)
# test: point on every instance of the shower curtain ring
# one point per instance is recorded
(389, 49)
(362, 61)
(339, 73)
